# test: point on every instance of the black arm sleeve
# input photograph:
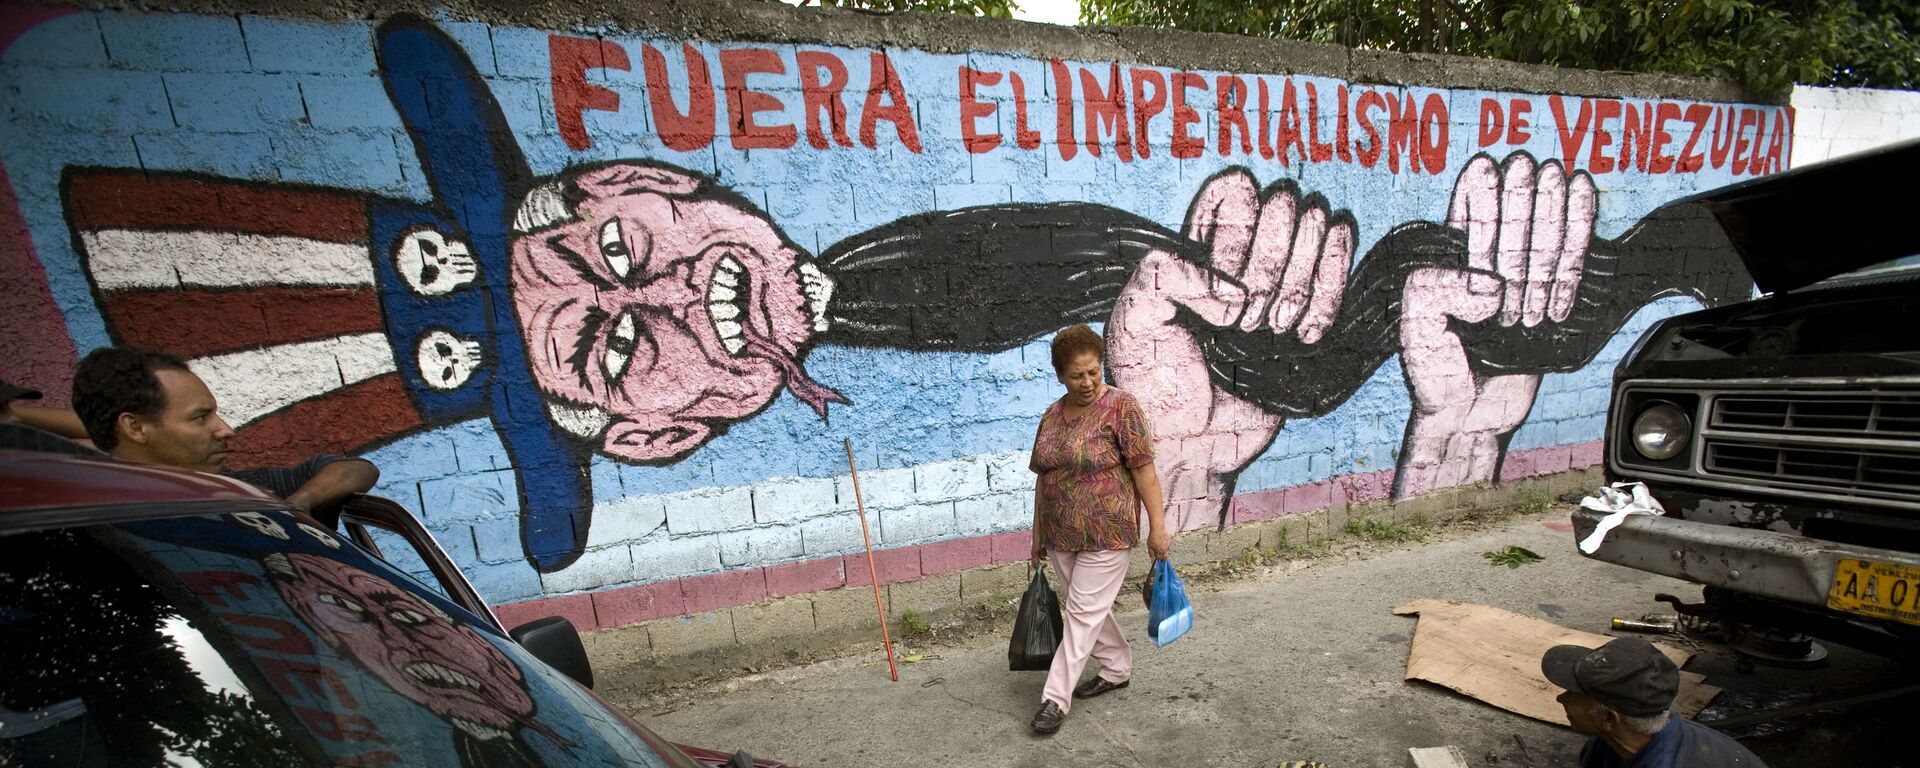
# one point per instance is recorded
(283, 481)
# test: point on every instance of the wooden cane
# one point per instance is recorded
(873, 573)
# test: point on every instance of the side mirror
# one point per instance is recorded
(554, 640)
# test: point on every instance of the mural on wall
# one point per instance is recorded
(612, 306)
(1253, 316)
(642, 308)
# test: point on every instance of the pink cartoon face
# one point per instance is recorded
(408, 643)
(653, 309)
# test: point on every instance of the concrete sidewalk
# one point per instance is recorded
(1303, 661)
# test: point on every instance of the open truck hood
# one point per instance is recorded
(1807, 224)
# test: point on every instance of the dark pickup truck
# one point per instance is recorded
(1782, 434)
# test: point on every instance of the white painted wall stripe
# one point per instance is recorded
(257, 382)
(126, 259)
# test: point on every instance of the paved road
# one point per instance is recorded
(1301, 662)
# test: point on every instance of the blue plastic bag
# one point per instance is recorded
(1169, 615)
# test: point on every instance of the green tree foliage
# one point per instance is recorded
(1767, 45)
(999, 9)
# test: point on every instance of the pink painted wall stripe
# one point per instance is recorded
(36, 349)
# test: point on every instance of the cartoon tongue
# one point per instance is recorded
(809, 391)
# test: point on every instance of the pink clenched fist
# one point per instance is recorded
(1278, 264)
(1527, 229)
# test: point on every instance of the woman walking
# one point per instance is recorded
(1094, 456)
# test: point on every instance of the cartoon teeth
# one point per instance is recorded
(819, 290)
(479, 731)
(438, 676)
(583, 421)
(726, 303)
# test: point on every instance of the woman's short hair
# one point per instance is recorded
(1074, 342)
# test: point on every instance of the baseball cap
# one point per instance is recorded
(10, 392)
(1627, 674)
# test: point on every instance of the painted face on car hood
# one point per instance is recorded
(408, 643)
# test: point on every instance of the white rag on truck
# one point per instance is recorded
(1618, 501)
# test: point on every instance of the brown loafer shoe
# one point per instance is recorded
(1097, 685)
(1047, 720)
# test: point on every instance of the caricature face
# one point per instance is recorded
(655, 312)
(408, 643)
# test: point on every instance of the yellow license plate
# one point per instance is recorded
(1880, 590)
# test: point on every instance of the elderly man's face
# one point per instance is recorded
(1587, 716)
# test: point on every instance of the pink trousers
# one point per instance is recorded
(1089, 582)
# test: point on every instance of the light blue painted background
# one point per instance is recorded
(296, 101)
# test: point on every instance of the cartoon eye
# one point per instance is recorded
(613, 248)
(620, 345)
(407, 617)
(342, 603)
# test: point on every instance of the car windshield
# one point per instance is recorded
(258, 639)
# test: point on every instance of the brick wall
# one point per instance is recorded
(391, 238)
(1840, 121)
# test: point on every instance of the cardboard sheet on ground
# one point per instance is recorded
(1494, 656)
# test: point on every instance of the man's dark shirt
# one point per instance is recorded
(283, 481)
(1682, 744)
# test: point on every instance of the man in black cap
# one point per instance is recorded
(32, 428)
(10, 392)
(1620, 694)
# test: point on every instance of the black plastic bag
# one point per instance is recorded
(1037, 628)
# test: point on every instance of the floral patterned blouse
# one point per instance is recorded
(1086, 493)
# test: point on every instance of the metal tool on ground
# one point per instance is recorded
(873, 573)
(1652, 622)
(1760, 644)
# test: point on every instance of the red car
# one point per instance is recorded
(151, 616)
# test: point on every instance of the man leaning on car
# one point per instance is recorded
(147, 407)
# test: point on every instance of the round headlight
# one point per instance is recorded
(1661, 431)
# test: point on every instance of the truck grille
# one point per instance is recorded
(1859, 444)
(1887, 415)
